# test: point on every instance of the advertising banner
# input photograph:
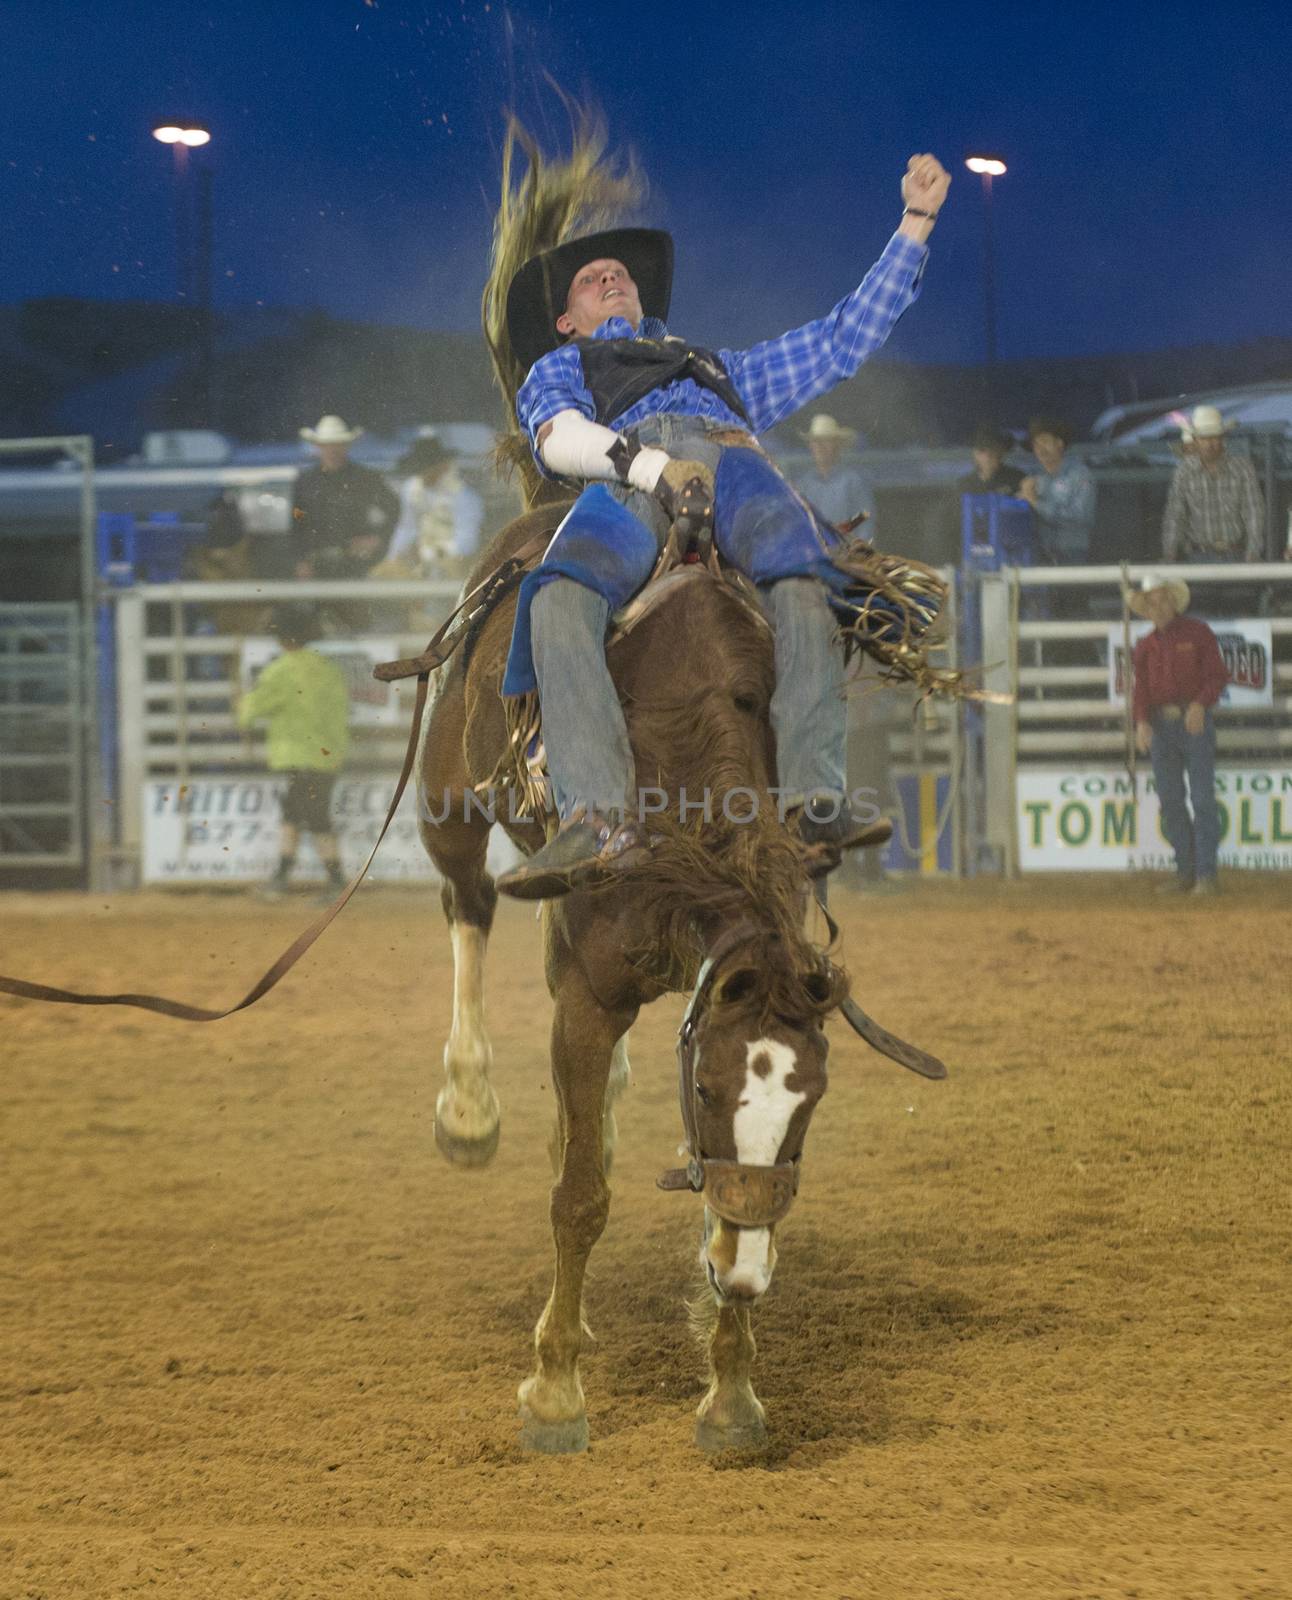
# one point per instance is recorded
(1245, 646)
(1091, 820)
(225, 830)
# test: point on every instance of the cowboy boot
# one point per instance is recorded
(588, 849)
(835, 829)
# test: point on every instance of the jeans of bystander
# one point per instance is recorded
(1192, 827)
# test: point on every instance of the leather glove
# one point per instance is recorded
(685, 490)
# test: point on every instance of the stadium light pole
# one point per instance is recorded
(194, 242)
(988, 167)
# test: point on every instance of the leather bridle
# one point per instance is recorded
(746, 1195)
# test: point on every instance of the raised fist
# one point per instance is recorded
(925, 183)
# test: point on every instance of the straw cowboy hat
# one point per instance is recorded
(1206, 422)
(331, 430)
(823, 429)
(1149, 584)
(537, 294)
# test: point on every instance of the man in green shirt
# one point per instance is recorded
(302, 696)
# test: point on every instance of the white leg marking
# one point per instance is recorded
(468, 1049)
(467, 1105)
(618, 1081)
(620, 1071)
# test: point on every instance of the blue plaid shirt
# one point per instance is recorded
(773, 379)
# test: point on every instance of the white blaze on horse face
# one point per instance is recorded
(760, 1124)
(762, 1118)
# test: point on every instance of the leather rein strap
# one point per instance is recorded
(481, 600)
(186, 1013)
(442, 645)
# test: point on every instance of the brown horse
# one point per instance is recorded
(695, 675)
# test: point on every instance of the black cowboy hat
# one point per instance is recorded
(424, 455)
(539, 291)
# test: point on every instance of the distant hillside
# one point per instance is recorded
(116, 369)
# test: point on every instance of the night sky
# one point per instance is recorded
(1149, 201)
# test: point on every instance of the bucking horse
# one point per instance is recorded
(720, 906)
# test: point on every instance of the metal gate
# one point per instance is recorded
(42, 718)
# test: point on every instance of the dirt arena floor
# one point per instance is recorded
(1028, 1334)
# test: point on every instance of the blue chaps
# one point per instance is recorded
(600, 557)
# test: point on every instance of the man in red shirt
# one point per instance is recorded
(1179, 676)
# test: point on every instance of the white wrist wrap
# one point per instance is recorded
(577, 447)
(646, 467)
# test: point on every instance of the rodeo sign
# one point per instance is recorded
(1246, 648)
(1093, 820)
(225, 831)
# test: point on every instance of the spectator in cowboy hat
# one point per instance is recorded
(1062, 494)
(1214, 509)
(342, 513)
(1179, 676)
(839, 490)
(439, 517)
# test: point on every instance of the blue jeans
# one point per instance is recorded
(585, 737)
(1195, 837)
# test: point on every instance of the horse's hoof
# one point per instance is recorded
(553, 1438)
(467, 1152)
(745, 1436)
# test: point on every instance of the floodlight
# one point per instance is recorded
(189, 134)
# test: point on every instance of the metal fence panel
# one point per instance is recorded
(41, 747)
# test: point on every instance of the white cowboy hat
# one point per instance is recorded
(331, 430)
(1150, 583)
(1206, 422)
(823, 428)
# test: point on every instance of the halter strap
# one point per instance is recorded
(748, 1196)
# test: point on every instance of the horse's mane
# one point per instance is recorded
(713, 874)
(697, 680)
(538, 208)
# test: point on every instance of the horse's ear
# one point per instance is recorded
(819, 987)
(736, 986)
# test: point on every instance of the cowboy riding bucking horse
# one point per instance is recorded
(657, 433)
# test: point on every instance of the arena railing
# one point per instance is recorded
(184, 651)
(1046, 639)
(181, 652)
